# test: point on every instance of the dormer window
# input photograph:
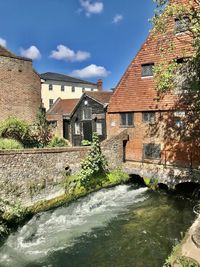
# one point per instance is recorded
(147, 70)
(181, 25)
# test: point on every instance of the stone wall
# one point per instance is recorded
(38, 174)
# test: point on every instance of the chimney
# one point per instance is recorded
(100, 85)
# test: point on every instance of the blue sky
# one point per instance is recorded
(90, 39)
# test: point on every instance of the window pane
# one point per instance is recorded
(50, 103)
(123, 118)
(77, 128)
(130, 119)
(62, 88)
(87, 114)
(147, 70)
(99, 128)
(182, 24)
(151, 151)
(50, 87)
(148, 116)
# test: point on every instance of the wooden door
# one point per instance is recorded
(66, 129)
(87, 130)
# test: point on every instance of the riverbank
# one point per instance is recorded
(13, 215)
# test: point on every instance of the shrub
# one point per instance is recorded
(41, 130)
(94, 167)
(86, 143)
(14, 128)
(10, 144)
(58, 142)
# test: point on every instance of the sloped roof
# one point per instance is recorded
(102, 97)
(63, 78)
(63, 106)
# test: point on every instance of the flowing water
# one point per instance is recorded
(123, 226)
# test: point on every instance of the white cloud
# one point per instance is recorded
(32, 52)
(65, 53)
(2, 42)
(91, 71)
(91, 7)
(117, 19)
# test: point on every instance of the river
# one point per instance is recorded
(125, 226)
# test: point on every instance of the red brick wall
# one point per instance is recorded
(20, 89)
(136, 94)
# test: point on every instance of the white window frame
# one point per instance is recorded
(77, 130)
(99, 128)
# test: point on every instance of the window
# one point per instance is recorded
(62, 88)
(179, 123)
(77, 130)
(83, 90)
(51, 103)
(127, 119)
(99, 129)
(87, 113)
(50, 87)
(181, 25)
(147, 70)
(148, 117)
(73, 89)
(151, 151)
(53, 124)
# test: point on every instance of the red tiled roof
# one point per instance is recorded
(102, 97)
(63, 106)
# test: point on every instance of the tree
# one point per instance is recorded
(188, 14)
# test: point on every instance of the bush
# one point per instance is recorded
(94, 168)
(14, 128)
(58, 142)
(10, 144)
(86, 143)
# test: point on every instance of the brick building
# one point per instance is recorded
(162, 128)
(20, 87)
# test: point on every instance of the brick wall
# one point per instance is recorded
(20, 89)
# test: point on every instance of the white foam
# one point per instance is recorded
(52, 231)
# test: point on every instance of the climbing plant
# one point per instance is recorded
(94, 167)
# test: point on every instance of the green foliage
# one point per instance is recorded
(14, 128)
(86, 143)
(166, 71)
(10, 144)
(117, 176)
(94, 167)
(58, 142)
(41, 130)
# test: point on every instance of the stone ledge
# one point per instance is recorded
(41, 150)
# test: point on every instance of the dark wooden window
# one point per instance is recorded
(51, 103)
(147, 70)
(149, 117)
(50, 87)
(127, 119)
(87, 114)
(151, 151)
(62, 88)
(181, 25)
